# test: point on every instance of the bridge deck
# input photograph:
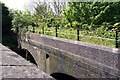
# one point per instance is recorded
(14, 66)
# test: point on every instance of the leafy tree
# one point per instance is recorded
(6, 19)
(78, 13)
(92, 13)
(21, 20)
(42, 13)
(106, 12)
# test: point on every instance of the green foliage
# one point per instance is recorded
(42, 14)
(116, 26)
(77, 13)
(54, 22)
(97, 21)
(9, 41)
(6, 19)
(92, 13)
(21, 19)
(92, 36)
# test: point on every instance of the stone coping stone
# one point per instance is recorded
(41, 37)
(11, 58)
(15, 67)
(23, 72)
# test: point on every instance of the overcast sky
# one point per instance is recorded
(19, 4)
(23, 4)
(15, 4)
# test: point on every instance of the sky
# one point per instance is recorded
(23, 4)
(17, 4)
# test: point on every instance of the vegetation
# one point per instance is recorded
(21, 20)
(6, 19)
(104, 38)
(97, 21)
(93, 13)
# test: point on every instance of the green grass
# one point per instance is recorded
(70, 33)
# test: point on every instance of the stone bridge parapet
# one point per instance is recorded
(79, 59)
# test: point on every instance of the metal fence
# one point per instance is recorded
(77, 34)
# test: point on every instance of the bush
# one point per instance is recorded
(6, 20)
